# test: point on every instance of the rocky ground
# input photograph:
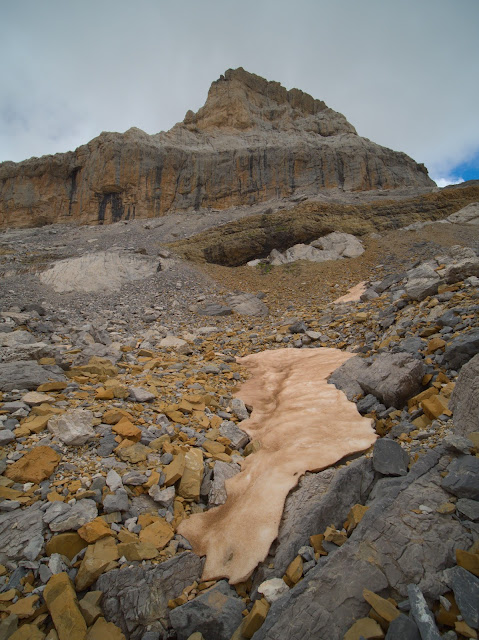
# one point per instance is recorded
(118, 420)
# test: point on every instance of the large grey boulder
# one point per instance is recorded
(465, 398)
(79, 514)
(16, 531)
(247, 304)
(461, 270)
(423, 281)
(136, 598)
(347, 376)
(16, 338)
(467, 215)
(344, 244)
(391, 548)
(461, 349)
(24, 374)
(216, 614)
(221, 472)
(237, 436)
(393, 378)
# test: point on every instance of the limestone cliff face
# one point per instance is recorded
(252, 141)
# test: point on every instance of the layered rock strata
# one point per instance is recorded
(252, 141)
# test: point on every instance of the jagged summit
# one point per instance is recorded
(251, 142)
(242, 100)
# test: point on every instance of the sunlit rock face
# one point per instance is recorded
(303, 424)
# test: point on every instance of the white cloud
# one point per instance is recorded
(444, 182)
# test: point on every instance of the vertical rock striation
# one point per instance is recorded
(252, 141)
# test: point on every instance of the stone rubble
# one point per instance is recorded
(130, 425)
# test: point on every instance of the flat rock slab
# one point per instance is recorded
(391, 548)
(23, 374)
(466, 593)
(389, 458)
(465, 399)
(463, 477)
(293, 440)
(16, 531)
(137, 597)
(102, 271)
(36, 465)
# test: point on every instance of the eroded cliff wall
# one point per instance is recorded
(252, 141)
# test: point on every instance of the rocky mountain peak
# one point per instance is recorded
(240, 101)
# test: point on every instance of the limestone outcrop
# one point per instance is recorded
(252, 141)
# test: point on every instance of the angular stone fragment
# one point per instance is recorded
(294, 572)
(393, 378)
(383, 607)
(27, 632)
(136, 453)
(468, 508)
(36, 465)
(73, 428)
(65, 544)
(389, 458)
(221, 472)
(158, 534)
(216, 614)
(174, 470)
(255, 618)
(136, 598)
(364, 628)
(461, 349)
(79, 514)
(468, 561)
(127, 429)
(423, 617)
(164, 497)
(238, 438)
(273, 589)
(24, 374)
(103, 630)
(190, 483)
(462, 476)
(465, 398)
(137, 550)
(466, 593)
(24, 607)
(62, 604)
(97, 557)
(403, 628)
(94, 530)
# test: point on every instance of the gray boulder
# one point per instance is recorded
(239, 438)
(461, 270)
(402, 628)
(465, 398)
(73, 428)
(391, 548)
(467, 215)
(216, 614)
(214, 309)
(393, 378)
(422, 282)
(462, 479)
(466, 593)
(221, 472)
(343, 244)
(79, 514)
(389, 458)
(247, 304)
(468, 508)
(346, 377)
(136, 598)
(24, 374)
(16, 338)
(461, 349)
(16, 531)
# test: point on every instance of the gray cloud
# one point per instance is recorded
(404, 73)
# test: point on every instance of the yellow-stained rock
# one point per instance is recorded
(24, 607)
(96, 559)
(127, 429)
(316, 542)
(255, 618)
(112, 416)
(355, 516)
(95, 530)
(294, 572)
(35, 466)
(174, 470)
(52, 386)
(137, 550)
(435, 406)
(213, 447)
(66, 544)
(192, 476)
(159, 533)
(27, 632)
(365, 627)
(469, 561)
(333, 535)
(135, 453)
(382, 606)
(103, 630)
(434, 344)
(465, 630)
(62, 604)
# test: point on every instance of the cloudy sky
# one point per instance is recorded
(405, 73)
